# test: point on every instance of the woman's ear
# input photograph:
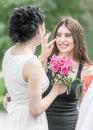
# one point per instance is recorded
(39, 30)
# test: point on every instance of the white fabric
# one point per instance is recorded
(18, 117)
(85, 120)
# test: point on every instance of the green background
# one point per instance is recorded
(82, 10)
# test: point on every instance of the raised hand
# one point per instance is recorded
(46, 47)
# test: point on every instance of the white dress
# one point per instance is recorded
(85, 120)
(18, 117)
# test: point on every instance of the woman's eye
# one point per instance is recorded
(68, 35)
(58, 35)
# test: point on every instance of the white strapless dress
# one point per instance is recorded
(85, 119)
(18, 117)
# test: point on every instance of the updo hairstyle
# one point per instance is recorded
(24, 22)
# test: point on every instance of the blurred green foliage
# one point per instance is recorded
(2, 92)
(54, 9)
(82, 10)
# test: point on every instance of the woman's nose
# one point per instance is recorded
(62, 38)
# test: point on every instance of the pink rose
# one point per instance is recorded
(55, 67)
(69, 62)
(62, 61)
(53, 60)
(64, 70)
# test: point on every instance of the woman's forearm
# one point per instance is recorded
(43, 103)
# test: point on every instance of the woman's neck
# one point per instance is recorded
(66, 55)
(27, 47)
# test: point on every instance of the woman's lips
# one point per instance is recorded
(63, 46)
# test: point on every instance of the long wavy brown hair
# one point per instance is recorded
(80, 53)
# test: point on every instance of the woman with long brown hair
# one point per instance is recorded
(63, 112)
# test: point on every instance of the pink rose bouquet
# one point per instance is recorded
(61, 68)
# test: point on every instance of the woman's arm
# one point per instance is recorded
(37, 104)
(82, 94)
(46, 49)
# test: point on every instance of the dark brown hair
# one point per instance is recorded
(80, 52)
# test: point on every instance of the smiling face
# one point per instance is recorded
(70, 40)
(64, 41)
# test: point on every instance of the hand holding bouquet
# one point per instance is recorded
(61, 68)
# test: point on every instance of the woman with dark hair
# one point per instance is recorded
(23, 74)
(63, 112)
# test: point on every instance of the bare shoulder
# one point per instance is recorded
(33, 63)
(87, 70)
(32, 68)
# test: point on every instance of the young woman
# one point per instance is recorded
(24, 76)
(63, 112)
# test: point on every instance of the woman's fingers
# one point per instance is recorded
(45, 39)
(51, 42)
(6, 100)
